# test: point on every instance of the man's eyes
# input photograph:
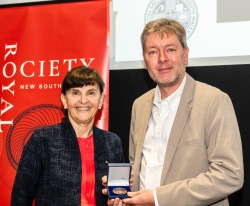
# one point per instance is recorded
(169, 50)
(152, 52)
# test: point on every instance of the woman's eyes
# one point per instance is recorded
(91, 92)
(75, 92)
(78, 92)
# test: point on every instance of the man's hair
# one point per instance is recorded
(164, 26)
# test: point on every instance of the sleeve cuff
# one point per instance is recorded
(155, 198)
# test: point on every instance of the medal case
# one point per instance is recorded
(118, 180)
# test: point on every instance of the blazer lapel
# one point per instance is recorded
(179, 124)
(147, 107)
(145, 118)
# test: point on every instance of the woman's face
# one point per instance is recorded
(82, 104)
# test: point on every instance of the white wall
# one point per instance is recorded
(219, 36)
(220, 32)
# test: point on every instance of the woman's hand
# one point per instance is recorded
(112, 202)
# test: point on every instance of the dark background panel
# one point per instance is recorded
(127, 85)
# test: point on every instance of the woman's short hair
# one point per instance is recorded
(82, 76)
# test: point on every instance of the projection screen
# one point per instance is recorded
(217, 31)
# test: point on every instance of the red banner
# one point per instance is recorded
(39, 44)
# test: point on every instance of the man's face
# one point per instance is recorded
(165, 59)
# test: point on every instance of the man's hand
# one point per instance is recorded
(142, 197)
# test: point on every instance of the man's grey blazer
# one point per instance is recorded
(203, 161)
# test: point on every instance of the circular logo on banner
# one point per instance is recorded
(25, 124)
(184, 11)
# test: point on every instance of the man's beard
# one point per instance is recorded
(166, 84)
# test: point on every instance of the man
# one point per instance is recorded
(185, 143)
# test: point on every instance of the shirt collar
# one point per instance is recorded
(171, 100)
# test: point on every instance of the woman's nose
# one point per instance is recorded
(83, 99)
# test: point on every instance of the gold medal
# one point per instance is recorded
(119, 191)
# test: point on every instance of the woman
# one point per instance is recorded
(63, 164)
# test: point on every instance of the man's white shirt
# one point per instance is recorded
(156, 138)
